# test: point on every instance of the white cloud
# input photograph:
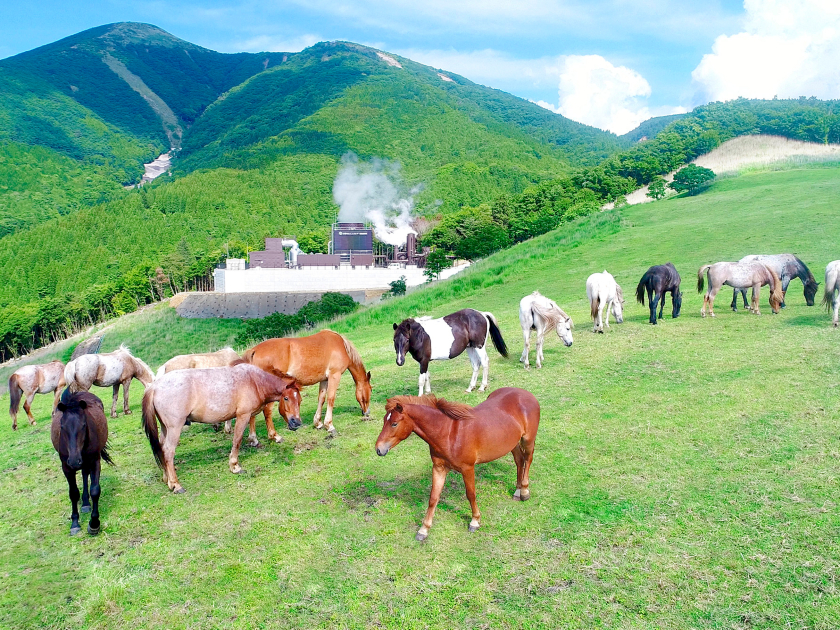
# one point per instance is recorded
(268, 43)
(788, 48)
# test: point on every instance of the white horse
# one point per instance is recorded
(30, 380)
(831, 297)
(603, 291)
(113, 368)
(537, 312)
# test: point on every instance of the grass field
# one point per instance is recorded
(686, 475)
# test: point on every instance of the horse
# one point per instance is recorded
(113, 368)
(831, 295)
(537, 312)
(787, 267)
(220, 358)
(740, 276)
(427, 339)
(79, 434)
(320, 358)
(603, 291)
(659, 280)
(210, 396)
(460, 436)
(30, 380)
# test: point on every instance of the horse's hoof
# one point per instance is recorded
(236, 469)
(255, 442)
(32, 423)
(332, 433)
(93, 531)
(473, 528)
(420, 537)
(711, 314)
(75, 531)
(127, 412)
(85, 509)
(178, 490)
(277, 438)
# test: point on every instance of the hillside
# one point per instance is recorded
(685, 474)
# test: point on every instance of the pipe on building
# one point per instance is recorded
(293, 252)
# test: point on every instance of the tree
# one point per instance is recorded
(398, 287)
(656, 188)
(690, 178)
(436, 262)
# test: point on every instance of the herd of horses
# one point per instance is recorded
(219, 387)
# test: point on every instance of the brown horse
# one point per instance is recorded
(30, 380)
(210, 396)
(460, 436)
(79, 433)
(740, 275)
(112, 368)
(220, 358)
(320, 358)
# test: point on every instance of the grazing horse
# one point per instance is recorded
(537, 312)
(460, 436)
(659, 280)
(428, 339)
(603, 291)
(30, 380)
(740, 276)
(317, 359)
(831, 295)
(113, 368)
(212, 395)
(787, 267)
(220, 358)
(79, 433)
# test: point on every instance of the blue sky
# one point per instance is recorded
(609, 63)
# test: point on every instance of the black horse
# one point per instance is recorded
(787, 267)
(79, 433)
(428, 339)
(659, 280)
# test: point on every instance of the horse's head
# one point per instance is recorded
(811, 287)
(288, 404)
(72, 418)
(564, 329)
(618, 305)
(396, 427)
(677, 301)
(363, 390)
(402, 336)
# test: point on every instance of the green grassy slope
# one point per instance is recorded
(685, 474)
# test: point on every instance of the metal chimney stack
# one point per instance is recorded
(410, 248)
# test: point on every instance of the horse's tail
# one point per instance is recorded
(595, 305)
(104, 454)
(70, 375)
(640, 289)
(161, 371)
(496, 335)
(831, 273)
(150, 424)
(700, 277)
(15, 391)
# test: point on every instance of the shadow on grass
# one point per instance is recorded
(809, 320)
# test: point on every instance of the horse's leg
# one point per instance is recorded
(56, 397)
(710, 296)
(785, 282)
(439, 470)
(268, 411)
(332, 390)
(95, 491)
(70, 475)
(252, 428)
(172, 436)
(476, 364)
(126, 385)
(116, 388)
(526, 350)
(835, 302)
(424, 377)
(469, 485)
(485, 365)
(228, 426)
(527, 446)
(605, 318)
(322, 396)
(734, 304)
(653, 300)
(238, 432)
(540, 356)
(85, 496)
(519, 458)
(662, 303)
(27, 406)
(756, 298)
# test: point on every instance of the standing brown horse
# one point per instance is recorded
(320, 358)
(460, 436)
(212, 395)
(30, 380)
(79, 433)
(740, 275)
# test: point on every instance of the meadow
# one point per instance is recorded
(685, 475)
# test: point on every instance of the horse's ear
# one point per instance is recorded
(398, 408)
(368, 377)
(82, 404)
(61, 407)
(395, 326)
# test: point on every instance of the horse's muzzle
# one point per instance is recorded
(75, 464)
(382, 450)
(294, 424)
(400, 361)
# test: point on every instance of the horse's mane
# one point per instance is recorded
(553, 315)
(453, 410)
(619, 293)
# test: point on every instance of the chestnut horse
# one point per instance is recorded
(210, 396)
(320, 358)
(30, 380)
(460, 436)
(220, 358)
(740, 275)
(79, 434)
(112, 368)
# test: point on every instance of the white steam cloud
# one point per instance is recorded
(371, 191)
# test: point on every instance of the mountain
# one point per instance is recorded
(649, 128)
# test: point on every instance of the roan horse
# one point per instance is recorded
(831, 295)
(460, 436)
(603, 292)
(659, 280)
(220, 358)
(79, 433)
(320, 358)
(30, 380)
(212, 395)
(740, 276)
(537, 312)
(428, 339)
(113, 368)
(787, 267)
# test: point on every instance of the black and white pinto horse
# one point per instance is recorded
(537, 312)
(787, 267)
(659, 280)
(428, 339)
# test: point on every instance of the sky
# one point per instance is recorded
(608, 63)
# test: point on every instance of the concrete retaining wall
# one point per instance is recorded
(253, 305)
